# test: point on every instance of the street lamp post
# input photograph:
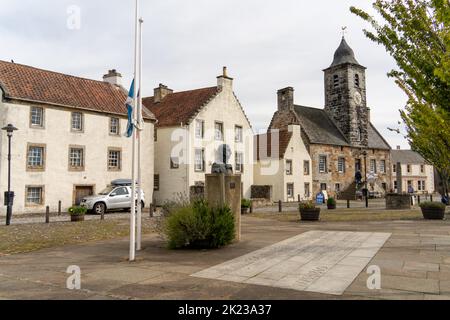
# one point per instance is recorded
(366, 191)
(9, 195)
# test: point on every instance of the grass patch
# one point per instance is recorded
(355, 214)
(30, 237)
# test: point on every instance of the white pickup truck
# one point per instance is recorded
(114, 197)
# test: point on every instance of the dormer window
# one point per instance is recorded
(357, 80)
(335, 81)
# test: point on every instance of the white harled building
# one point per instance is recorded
(192, 126)
(70, 141)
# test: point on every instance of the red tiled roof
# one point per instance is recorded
(21, 82)
(180, 107)
(263, 144)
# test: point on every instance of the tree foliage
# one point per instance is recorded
(417, 35)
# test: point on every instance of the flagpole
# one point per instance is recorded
(140, 127)
(133, 160)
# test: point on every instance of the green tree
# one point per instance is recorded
(417, 35)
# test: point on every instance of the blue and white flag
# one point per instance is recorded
(129, 103)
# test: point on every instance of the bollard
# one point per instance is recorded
(102, 216)
(59, 207)
(151, 210)
(431, 197)
(280, 206)
(47, 214)
(299, 200)
(348, 204)
(251, 207)
(418, 199)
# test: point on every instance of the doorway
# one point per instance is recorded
(80, 192)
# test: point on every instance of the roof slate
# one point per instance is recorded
(25, 83)
(407, 156)
(320, 129)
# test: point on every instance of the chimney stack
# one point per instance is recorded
(113, 77)
(286, 99)
(224, 81)
(161, 92)
(399, 148)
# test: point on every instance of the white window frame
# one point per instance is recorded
(199, 160)
(239, 162)
(39, 195)
(373, 166)
(76, 121)
(218, 131)
(323, 164)
(289, 168)
(74, 160)
(288, 185)
(238, 134)
(116, 126)
(35, 116)
(341, 165)
(114, 160)
(382, 166)
(35, 159)
(199, 129)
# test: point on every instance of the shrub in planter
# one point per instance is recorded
(331, 203)
(245, 205)
(77, 213)
(433, 210)
(199, 226)
(308, 211)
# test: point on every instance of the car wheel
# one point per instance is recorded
(99, 208)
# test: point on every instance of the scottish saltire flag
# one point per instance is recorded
(129, 103)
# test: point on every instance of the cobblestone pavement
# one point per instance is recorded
(414, 263)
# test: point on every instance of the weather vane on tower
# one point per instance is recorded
(344, 31)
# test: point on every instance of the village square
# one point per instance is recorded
(113, 190)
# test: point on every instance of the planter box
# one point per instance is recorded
(245, 210)
(433, 213)
(77, 218)
(310, 214)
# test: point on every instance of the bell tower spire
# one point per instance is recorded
(345, 94)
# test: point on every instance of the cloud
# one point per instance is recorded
(267, 45)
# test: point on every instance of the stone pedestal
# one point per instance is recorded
(223, 189)
(396, 201)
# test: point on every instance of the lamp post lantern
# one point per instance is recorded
(9, 195)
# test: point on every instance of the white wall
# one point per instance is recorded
(57, 179)
(415, 175)
(296, 152)
(224, 108)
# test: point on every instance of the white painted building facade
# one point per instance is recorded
(187, 145)
(287, 170)
(64, 152)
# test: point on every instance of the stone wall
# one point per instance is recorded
(398, 201)
(332, 176)
(261, 192)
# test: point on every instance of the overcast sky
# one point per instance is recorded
(267, 45)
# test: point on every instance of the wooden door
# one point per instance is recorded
(81, 192)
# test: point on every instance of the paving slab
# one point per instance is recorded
(315, 261)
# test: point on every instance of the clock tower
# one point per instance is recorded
(345, 95)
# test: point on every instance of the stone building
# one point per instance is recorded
(283, 164)
(340, 138)
(416, 172)
(192, 126)
(70, 141)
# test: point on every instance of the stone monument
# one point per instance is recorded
(224, 188)
(398, 200)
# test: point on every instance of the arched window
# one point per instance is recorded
(359, 136)
(357, 80)
(335, 81)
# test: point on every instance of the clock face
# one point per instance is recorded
(357, 97)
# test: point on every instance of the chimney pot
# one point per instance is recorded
(113, 77)
(224, 81)
(286, 99)
(161, 92)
